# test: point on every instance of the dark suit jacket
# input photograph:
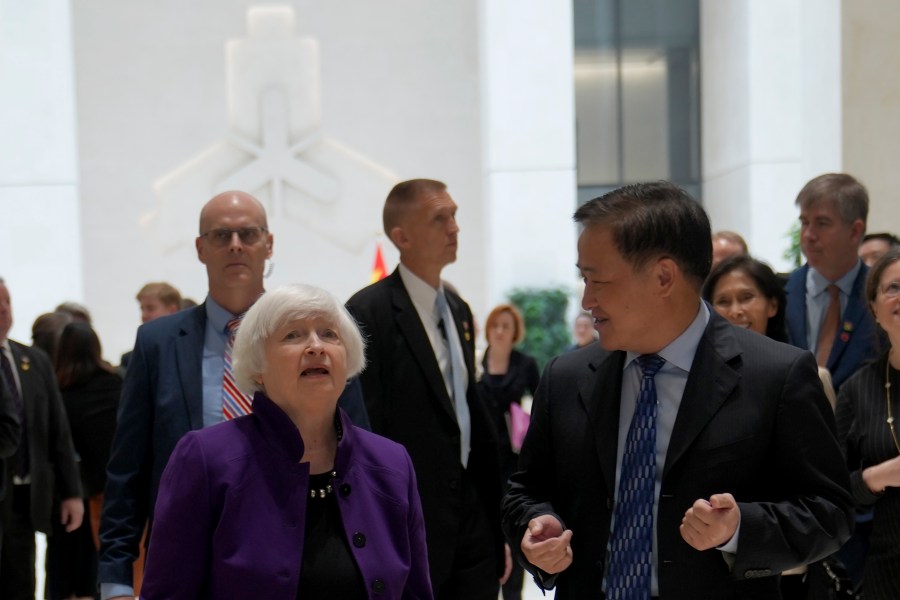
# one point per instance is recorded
(10, 432)
(753, 422)
(51, 455)
(858, 340)
(162, 399)
(408, 402)
(231, 516)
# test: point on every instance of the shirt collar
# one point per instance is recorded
(680, 352)
(217, 316)
(422, 294)
(816, 283)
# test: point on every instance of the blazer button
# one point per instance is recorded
(378, 586)
(359, 540)
(344, 489)
(454, 484)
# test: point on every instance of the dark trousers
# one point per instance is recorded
(17, 576)
(474, 573)
(512, 589)
(71, 561)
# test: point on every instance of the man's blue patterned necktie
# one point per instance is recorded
(631, 545)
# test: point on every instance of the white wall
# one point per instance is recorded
(771, 112)
(529, 145)
(40, 226)
(871, 102)
(399, 95)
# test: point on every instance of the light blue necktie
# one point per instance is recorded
(631, 544)
(458, 371)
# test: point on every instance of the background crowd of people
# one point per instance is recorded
(109, 460)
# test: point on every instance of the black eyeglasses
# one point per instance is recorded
(222, 237)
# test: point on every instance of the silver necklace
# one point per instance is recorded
(887, 399)
(325, 491)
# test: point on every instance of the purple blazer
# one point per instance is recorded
(231, 513)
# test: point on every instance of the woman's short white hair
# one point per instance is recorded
(282, 305)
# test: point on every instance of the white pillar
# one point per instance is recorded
(40, 228)
(528, 144)
(771, 112)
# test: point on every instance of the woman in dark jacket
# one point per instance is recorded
(508, 377)
(868, 418)
(90, 391)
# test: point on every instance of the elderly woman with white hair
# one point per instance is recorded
(291, 501)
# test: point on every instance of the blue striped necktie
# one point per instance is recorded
(631, 544)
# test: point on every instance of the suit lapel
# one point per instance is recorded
(795, 309)
(25, 369)
(709, 383)
(853, 315)
(410, 326)
(600, 396)
(464, 329)
(189, 361)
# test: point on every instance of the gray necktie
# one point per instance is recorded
(458, 370)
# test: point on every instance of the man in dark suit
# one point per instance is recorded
(43, 468)
(10, 432)
(681, 457)
(833, 211)
(176, 379)
(412, 397)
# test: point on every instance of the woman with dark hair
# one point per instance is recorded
(749, 294)
(90, 391)
(867, 430)
(46, 329)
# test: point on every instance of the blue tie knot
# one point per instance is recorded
(650, 364)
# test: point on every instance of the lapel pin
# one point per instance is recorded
(25, 363)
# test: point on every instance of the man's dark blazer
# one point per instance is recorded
(753, 422)
(10, 432)
(857, 338)
(408, 402)
(51, 455)
(162, 399)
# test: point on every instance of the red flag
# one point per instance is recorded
(379, 272)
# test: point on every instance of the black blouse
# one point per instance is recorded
(328, 569)
(499, 391)
(862, 428)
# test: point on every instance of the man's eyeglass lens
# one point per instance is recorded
(222, 237)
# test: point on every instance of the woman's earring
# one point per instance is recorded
(270, 266)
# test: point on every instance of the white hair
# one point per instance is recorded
(282, 305)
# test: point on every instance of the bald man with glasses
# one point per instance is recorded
(179, 379)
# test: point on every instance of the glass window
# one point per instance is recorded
(637, 89)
